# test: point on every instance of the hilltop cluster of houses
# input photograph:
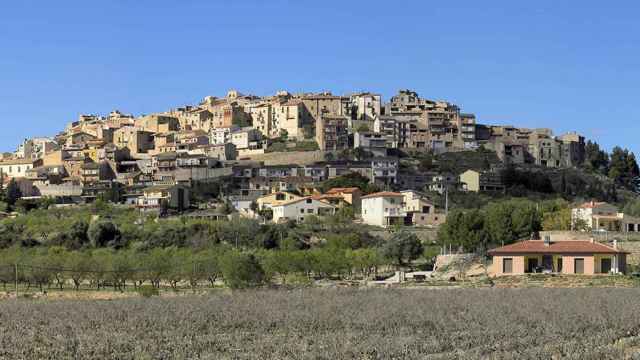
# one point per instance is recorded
(151, 161)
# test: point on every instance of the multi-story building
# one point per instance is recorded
(17, 168)
(36, 148)
(246, 138)
(157, 123)
(481, 181)
(365, 106)
(332, 132)
(136, 140)
(221, 135)
(383, 209)
(318, 105)
(601, 216)
(289, 117)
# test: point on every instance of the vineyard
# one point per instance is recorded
(330, 324)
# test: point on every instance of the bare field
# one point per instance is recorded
(331, 324)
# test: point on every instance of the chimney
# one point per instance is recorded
(592, 240)
(547, 240)
(615, 244)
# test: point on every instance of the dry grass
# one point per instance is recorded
(330, 324)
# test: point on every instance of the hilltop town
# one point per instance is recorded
(274, 152)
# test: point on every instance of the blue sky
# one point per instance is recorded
(568, 65)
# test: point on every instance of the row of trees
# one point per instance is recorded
(47, 267)
(496, 223)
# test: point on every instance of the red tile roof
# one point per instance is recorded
(383, 194)
(556, 247)
(348, 190)
(591, 205)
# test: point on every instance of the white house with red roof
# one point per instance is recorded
(602, 216)
(384, 209)
(299, 209)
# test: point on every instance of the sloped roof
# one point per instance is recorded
(383, 194)
(555, 247)
(348, 190)
(303, 199)
(592, 204)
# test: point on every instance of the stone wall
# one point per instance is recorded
(285, 158)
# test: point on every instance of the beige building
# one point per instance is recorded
(134, 139)
(17, 168)
(157, 123)
(481, 181)
(564, 257)
(276, 198)
(317, 105)
(224, 112)
(262, 120)
(290, 117)
(332, 132)
(366, 106)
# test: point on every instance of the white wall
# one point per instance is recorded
(298, 211)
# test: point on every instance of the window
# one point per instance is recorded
(309, 211)
(301, 211)
(309, 201)
(507, 265)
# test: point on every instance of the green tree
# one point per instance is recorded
(13, 192)
(104, 233)
(557, 220)
(623, 167)
(464, 229)
(403, 247)
(241, 270)
(595, 158)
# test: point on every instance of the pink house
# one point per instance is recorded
(564, 257)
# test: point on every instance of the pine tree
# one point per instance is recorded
(13, 192)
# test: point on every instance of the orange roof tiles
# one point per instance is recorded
(348, 190)
(383, 194)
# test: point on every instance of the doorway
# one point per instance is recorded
(605, 265)
(578, 266)
(532, 264)
(547, 263)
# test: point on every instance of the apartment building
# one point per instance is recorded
(383, 209)
(365, 106)
(136, 140)
(332, 132)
